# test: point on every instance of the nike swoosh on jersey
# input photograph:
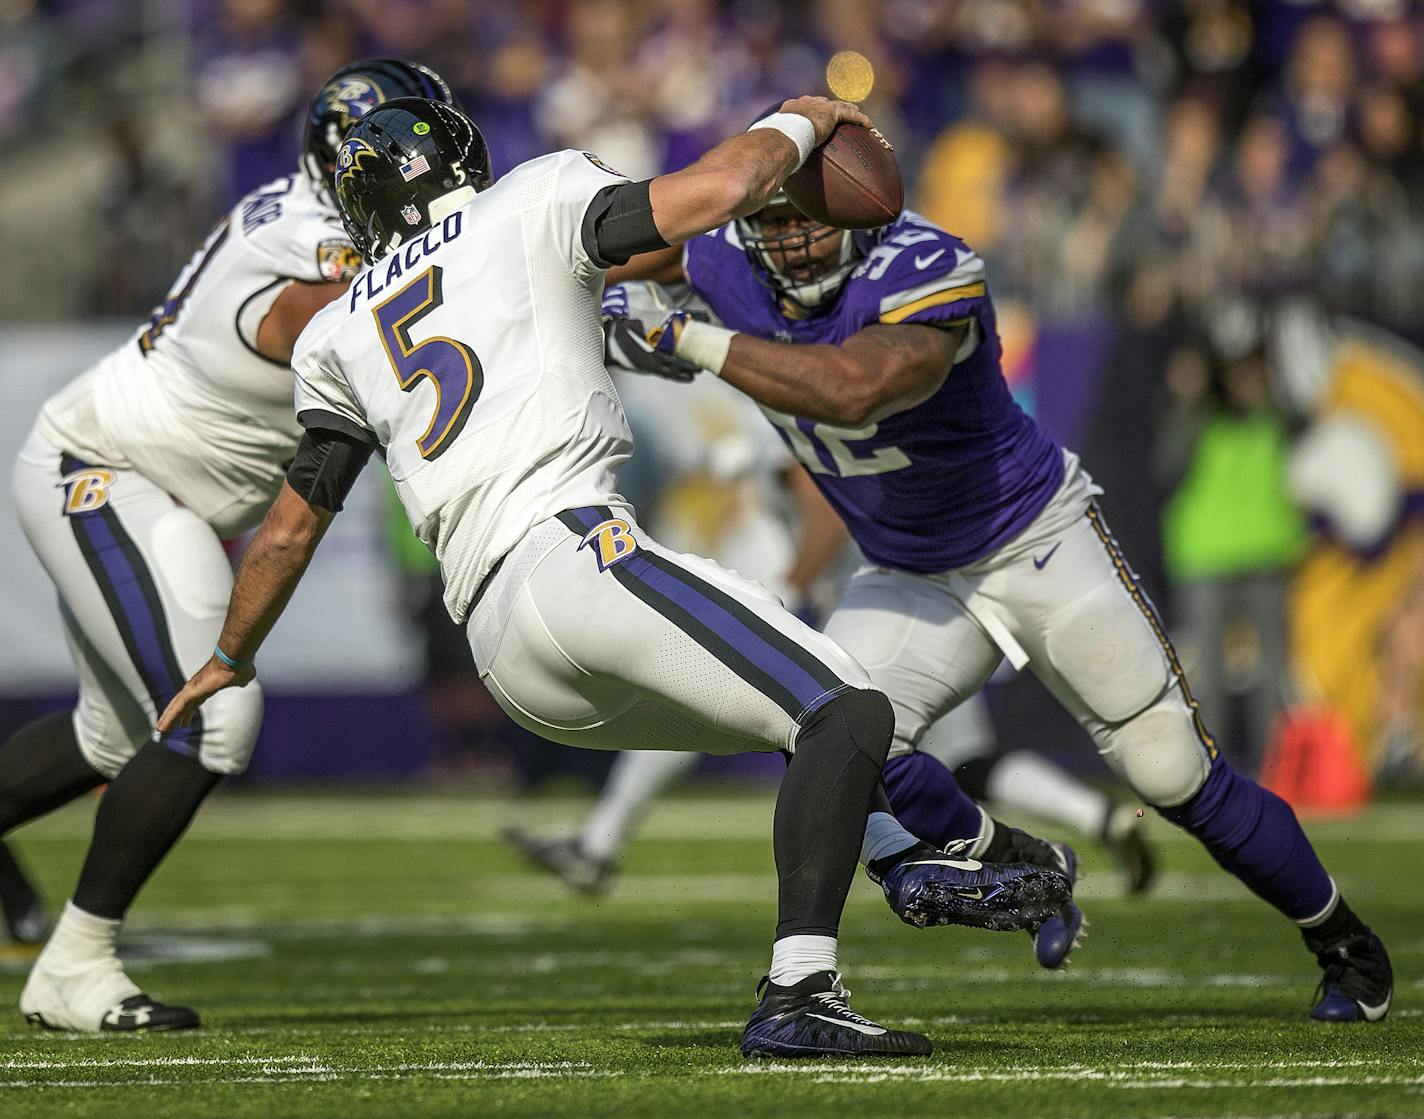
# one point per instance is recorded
(1042, 563)
(957, 864)
(925, 261)
(871, 1030)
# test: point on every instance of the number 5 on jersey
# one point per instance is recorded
(451, 366)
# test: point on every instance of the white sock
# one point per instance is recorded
(81, 957)
(80, 937)
(635, 779)
(884, 836)
(795, 957)
(1031, 783)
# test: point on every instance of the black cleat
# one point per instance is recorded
(136, 1014)
(1122, 838)
(1358, 982)
(141, 1014)
(813, 1018)
(564, 858)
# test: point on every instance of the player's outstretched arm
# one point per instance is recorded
(269, 573)
(874, 373)
(290, 313)
(740, 175)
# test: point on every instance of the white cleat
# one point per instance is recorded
(96, 996)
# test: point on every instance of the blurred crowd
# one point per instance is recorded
(1082, 145)
(1172, 171)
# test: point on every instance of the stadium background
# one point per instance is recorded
(1202, 223)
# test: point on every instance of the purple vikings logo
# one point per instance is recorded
(611, 541)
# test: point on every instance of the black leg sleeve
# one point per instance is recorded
(973, 776)
(821, 811)
(146, 809)
(41, 768)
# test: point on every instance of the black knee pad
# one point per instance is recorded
(860, 716)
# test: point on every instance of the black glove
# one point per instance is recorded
(624, 347)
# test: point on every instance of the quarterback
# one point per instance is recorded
(876, 356)
(133, 476)
(469, 352)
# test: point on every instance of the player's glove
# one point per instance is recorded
(684, 335)
(624, 347)
(664, 337)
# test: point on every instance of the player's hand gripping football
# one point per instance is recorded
(825, 114)
(212, 678)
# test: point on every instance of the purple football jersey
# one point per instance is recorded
(936, 486)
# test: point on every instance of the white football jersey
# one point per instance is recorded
(474, 355)
(188, 401)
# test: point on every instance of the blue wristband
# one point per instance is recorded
(229, 661)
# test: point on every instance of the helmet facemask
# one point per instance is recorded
(794, 256)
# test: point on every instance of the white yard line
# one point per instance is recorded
(151, 1062)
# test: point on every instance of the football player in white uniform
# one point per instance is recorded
(469, 351)
(133, 476)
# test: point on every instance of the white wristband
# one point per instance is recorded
(705, 345)
(796, 128)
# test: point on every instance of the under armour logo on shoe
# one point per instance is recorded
(132, 1014)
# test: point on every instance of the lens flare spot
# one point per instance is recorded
(850, 76)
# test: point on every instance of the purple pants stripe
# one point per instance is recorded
(131, 594)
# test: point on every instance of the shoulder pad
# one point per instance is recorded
(919, 272)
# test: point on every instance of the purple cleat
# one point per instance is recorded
(927, 886)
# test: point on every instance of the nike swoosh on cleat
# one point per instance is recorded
(923, 262)
(957, 864)
(873, 1031)
(978, 893)
(1373, 1013)
(1042, 563)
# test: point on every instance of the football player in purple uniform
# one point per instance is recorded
(876, 356)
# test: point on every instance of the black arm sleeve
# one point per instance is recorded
(619, 223)
(328, 460)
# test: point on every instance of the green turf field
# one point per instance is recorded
(385, 956)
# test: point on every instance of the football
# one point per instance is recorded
(851, 181)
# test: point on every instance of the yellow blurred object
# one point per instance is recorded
(1344, 605)
(850, 76)
(963, 181)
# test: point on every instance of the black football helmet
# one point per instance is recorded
(400, 159)
(351, 93)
